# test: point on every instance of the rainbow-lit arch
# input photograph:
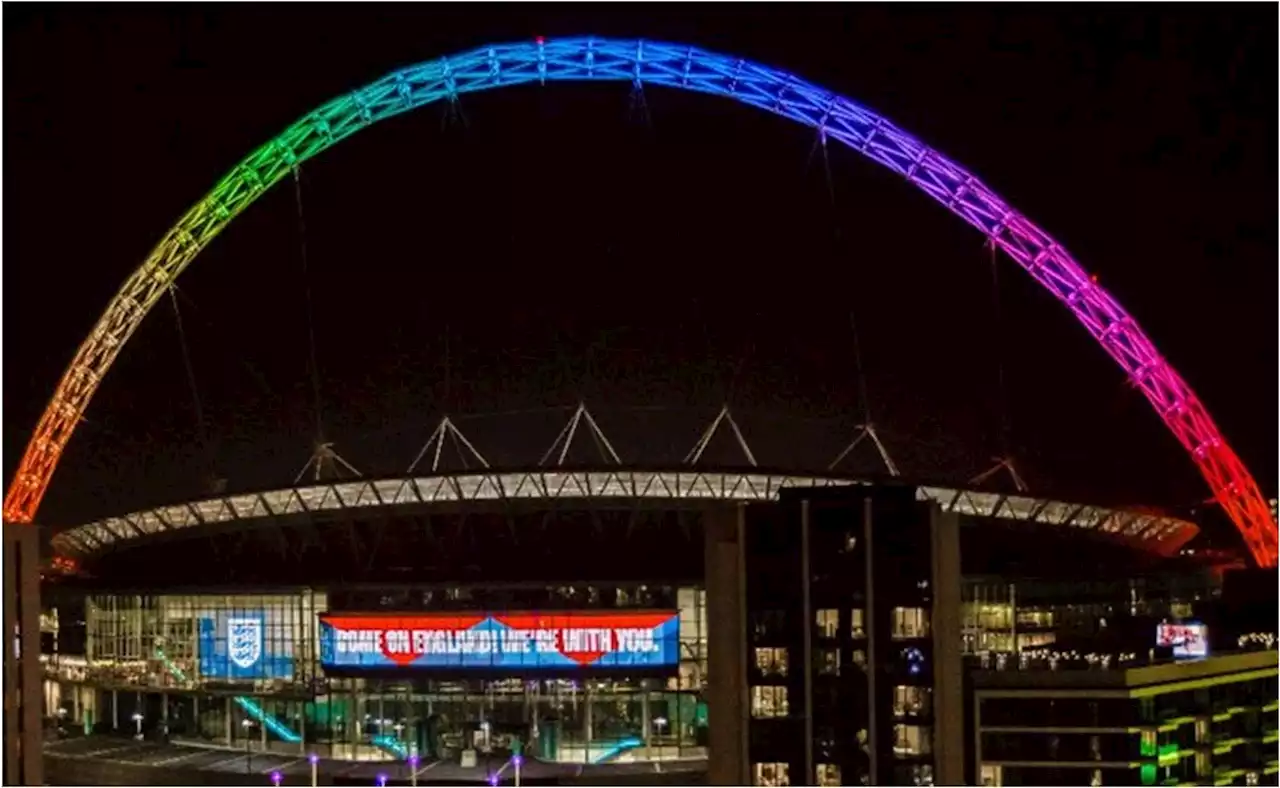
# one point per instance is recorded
(668, 65)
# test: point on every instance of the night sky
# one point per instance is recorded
(656, 265)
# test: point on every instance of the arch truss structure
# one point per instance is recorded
(675, 66)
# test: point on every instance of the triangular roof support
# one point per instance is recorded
(435, 445)
(863, 432)
(695, 454)
(565, 439)
(1001, 463)
(323, 458)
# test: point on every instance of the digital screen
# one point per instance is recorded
(1187, 640)
(235, 645)
(560, 640)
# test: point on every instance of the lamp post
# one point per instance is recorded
(517, 758)
(413, 770)
(137, 721)
(247, 725)
(382, 779)
(314, 760)
(276, 778)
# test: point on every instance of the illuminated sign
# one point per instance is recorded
(1189, 640)
(234, 645)
(579, 639)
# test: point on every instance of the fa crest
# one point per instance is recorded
(244, 641)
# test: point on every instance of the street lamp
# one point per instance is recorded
(382, 779)
(248, 742)
(276, 777)
(137, 721)
(314, 760)
(413, 769)
(516, 761)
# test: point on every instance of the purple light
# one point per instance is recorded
(382, 778)
(313, 759)
(276, 777)
(413, 761)
(517, 759)
(493, 779)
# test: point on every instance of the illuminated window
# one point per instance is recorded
(771, 661)
(991, 775)
(856, 627)
(768, 702)
(909, 622)
(829, 662)
(828, 774)
(912, 740)
(860, 658)
(828, 621)
(772, 774)
(912, 701)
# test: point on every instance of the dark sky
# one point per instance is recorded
(572, 249)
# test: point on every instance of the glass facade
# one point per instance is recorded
(245, 671)
(998, 616)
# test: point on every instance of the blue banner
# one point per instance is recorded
(236, 645)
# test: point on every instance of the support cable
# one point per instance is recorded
(1001, 402)
(1004, 426)
(311, 327)
(193, 309)
(868, 428)
(201, 430)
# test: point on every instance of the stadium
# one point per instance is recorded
(373, 619)
(475, 616)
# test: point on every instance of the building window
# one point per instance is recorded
(829, 662)
(992, 775)
(768, 624)
(913, 774)
(828, 621)
(828, 774)
(856, 628)
(910, 622)
(911, 701)
(773, 774)
(771, 661)
(912, 740)
(768, 702)
(860, 658)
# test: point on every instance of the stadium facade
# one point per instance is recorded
(560, 612)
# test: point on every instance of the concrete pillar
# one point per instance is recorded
(115, 710)
(726, 646)
(227, 709)
(948, 672)
(588, 734)
(646, 724)
(23, 734)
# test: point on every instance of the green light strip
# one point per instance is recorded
(1215, 681)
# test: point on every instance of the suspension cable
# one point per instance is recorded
(1002, 406)
(306, 286)
(863, 390)
(191, 372)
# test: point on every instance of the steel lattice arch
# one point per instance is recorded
(673, 66)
